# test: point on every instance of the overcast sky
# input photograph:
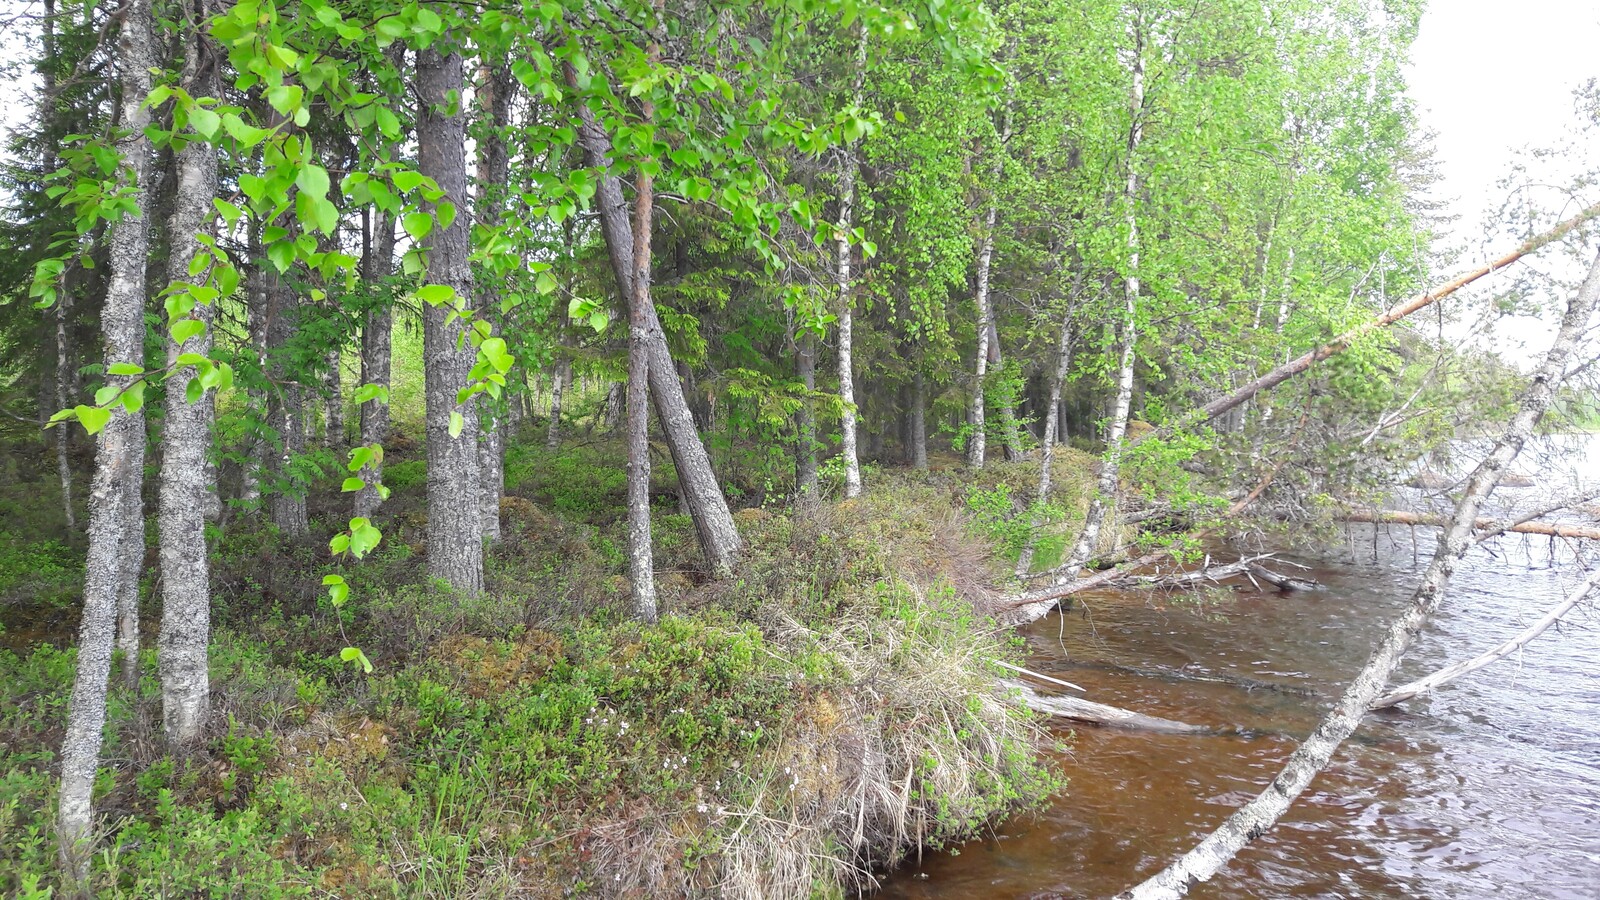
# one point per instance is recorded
(1492, 78)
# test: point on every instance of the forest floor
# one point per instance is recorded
(789, 732)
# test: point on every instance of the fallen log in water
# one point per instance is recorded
(1079, 710)
(1260, 814)
(1450, 673)
(1284, 582)
(1547, 529)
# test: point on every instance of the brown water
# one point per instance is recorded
(1489, 788)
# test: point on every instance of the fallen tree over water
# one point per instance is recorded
(1450, 673)
(1261, 813)
(1546, 529)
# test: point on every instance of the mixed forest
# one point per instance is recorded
(598, 446)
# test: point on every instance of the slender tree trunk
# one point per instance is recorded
(286, 398)
(1340, 343)
(641, 565)
(118, 457)
(64, 401)
(1450, 673)
(333, 408)
(63, 373)
(257, 452)
(455, 517)
(1260, 814)
(719, 537)
(494, 162)
(805, 420)
(977, 442)
(847, 199)
(919, 421)
(1111, 467)
(558, 384)
(1047, 446)
(285, 411)
(376, 334)
(186, 443)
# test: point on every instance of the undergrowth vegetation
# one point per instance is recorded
(790, 732)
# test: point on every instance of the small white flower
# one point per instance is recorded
(344, 806)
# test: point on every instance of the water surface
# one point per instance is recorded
(1488, 788)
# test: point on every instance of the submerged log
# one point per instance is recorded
(1079, 710)
(1450, 673)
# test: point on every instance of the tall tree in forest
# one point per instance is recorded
(977, 439)
(116, 522)
(1127, 324)
(848, 170)
(713, 521)
(455, 518)
(641, 558)
(377, 265)
(186, 439)
(494, 95)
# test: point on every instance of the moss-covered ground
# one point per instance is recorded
(790, 732)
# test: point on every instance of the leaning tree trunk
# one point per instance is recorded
(1111, 467)
(185, 444)
(713, 521)
(1260, 814)
(1047, 447)
(455, 517)
(376, 334)
(118, 456)
(847, 199)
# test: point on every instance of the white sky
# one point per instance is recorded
(1491, 78)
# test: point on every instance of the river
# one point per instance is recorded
(1488, 788)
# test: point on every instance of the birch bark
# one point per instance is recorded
(118, 456)
(1260, 814)
(847, 199)
(185, 444)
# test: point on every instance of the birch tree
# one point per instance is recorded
(115, 516)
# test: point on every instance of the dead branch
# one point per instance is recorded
(1079, 710)
(1284, 582)
(1451, 673)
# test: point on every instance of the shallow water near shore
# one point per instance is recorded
(1488, 788)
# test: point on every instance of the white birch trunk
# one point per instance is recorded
(1047, 447)
(185, 444)
(1111, 467)
(1451, 673)
(847, 199)
(118, 458)
(1260, 814)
